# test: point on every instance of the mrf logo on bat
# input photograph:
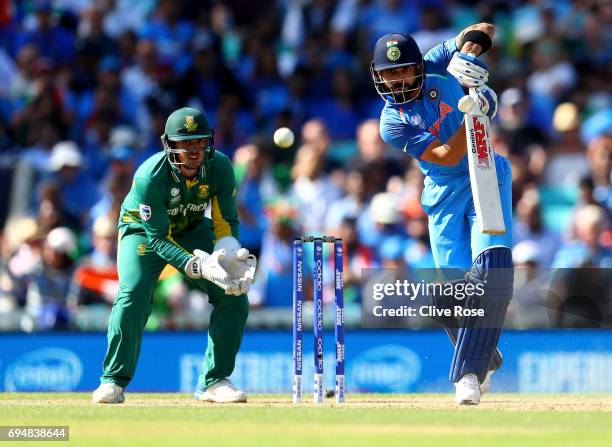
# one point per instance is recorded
(479, 145)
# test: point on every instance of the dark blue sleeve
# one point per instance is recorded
(405, 137)
(441, 54)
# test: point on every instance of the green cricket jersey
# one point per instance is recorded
(163, 203)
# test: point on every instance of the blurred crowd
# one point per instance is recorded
(86, 86)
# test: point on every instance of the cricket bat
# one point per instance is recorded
(483, 175)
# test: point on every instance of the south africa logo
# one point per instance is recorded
(190, 123)
(203, 191)
(145, 212)
(393, 53)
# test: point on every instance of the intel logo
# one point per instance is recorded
(389, 368)
(48, 369)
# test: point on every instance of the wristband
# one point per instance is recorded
(479, 37)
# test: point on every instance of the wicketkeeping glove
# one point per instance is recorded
(207, 266)
(241, 267)
(468, 69)
(239, 263)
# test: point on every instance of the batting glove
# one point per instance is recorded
(468, 70)
(488, 100)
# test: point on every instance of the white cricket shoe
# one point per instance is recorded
(108, 393)
(486, 385)
(467, 390)
(223, 391)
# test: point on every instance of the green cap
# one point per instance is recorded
(187, 124)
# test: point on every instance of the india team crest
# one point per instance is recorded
(145, 212)
(393, 53)
(190, 123)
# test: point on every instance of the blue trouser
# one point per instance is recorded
(457, 242)
(455, 237)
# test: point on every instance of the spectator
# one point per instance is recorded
(53, 41)
(339, 111)
(51, 103)
(256, 189)
(381, 221)
(417, 250)
(208, 78)
(21, 250)
(312, 191)
(275, 263)
(529, 304)
(233, 126)
(125, 16)
(108, 80)
(434, 29)
(170, 32)
(315, 134)
(92, 36)
(21, 88)
(92, 45)
(528, 226)
(38, 155)
(516, 123)
(587, 249)
(95, 280)
(353, 204)
(381, 16)
(48, 283)
(599, 154)
(116, 185)
(77, 190)
(356, 257)
(267, 90)
(50, 211)
(567, 162)
(373, 151)
(553, 76)
(141, 79)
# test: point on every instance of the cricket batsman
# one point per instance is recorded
(421, 118)
(162, 222)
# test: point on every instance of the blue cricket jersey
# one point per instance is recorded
(447, 197)
(414, 125)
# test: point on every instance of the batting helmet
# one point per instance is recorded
(396, 51)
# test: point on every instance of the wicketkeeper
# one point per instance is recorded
(421, 118)
(163, 222)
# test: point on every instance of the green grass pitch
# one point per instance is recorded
(365, 420)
